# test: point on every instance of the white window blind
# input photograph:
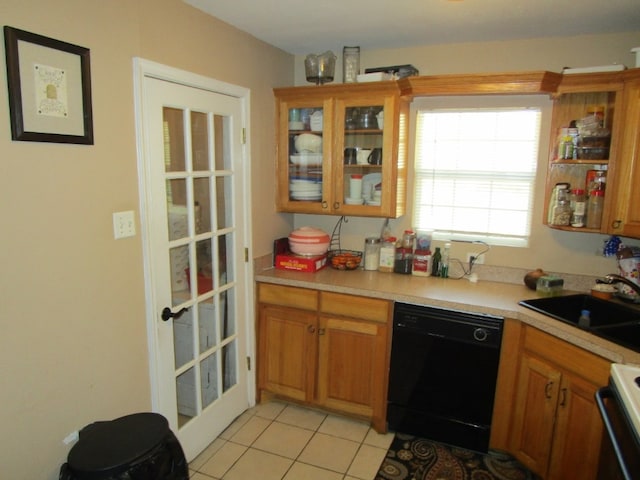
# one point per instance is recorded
(475, 172)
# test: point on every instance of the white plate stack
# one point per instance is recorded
(310, 190)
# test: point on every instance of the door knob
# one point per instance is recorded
(167, 313)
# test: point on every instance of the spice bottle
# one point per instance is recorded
(421, 263)
(387, 254)
(561, 211)
(371, 253)
(594, 209)
(578, 204)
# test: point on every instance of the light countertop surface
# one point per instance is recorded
(481, 297)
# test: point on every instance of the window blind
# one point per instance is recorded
(475, 172)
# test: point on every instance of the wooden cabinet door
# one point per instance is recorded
(535, 410)
(351, 367)
(287, 351)
(578, 431)
(626, 218)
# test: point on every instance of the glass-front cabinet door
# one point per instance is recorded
(342, 150)
(304, 155)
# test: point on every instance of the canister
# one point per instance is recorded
(371, 253)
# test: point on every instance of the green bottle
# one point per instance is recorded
(436, 260)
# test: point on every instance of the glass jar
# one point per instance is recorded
(350, 64)
(387, 254)
(594, 209)
(371, 253)
(578, 205)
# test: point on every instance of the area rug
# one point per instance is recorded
(414, 458)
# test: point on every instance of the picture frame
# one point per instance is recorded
(49, 84)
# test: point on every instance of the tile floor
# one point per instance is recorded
(280, 441)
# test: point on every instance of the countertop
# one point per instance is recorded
(482, 297)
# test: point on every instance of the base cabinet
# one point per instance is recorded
(325, 349)
(556, 428)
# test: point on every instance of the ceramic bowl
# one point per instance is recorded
(308, 241)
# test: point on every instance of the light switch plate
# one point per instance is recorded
(124, 224)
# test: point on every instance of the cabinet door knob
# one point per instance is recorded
(336, 205)
(325, 205)
(616, 224)
(311, 329)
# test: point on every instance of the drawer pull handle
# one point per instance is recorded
(547, 389)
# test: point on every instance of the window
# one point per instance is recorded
(475, 172)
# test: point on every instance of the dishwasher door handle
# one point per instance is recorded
(601, 394)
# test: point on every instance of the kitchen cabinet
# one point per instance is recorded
(320, 132)
(618, 94)
(626, 216)
(556, 428)
(324, 349)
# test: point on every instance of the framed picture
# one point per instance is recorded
(49, 89)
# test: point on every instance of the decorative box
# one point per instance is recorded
(300, 263)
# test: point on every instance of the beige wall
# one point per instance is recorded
(549, 249)
(73, 347)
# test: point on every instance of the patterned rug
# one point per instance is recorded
(414, 458)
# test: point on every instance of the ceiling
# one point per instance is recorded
(313, 26)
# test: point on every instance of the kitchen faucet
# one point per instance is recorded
(613, 278)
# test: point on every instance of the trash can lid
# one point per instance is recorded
(111, 446)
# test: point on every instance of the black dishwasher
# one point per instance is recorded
(444, 368)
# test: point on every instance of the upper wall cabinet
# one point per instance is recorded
(342, 149)
(594, 151)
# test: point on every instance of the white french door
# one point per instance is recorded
(194, 210)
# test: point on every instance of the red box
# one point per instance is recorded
(300, 263)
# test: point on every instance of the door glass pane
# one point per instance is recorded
(222, 143)
(186, 395)
(227, 314)
(199, 141)
(179, 258)
(183, 339)
(202, 201)
(363, 155)
(230, 366)
(209, 380)
(178, 216)
(305, 154)
(224, 195)
(203, 263)
(225, 259)
(174, 153)
(207, 322)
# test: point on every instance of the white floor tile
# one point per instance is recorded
(235, 426)
(367, 462)
(282, 439)
(259, 465)
(344, 428)
(269, 410)
(251, 430)
(302, 471)
(332, 453)
(301, 417)
(223, 459)
(208, 452)
(380, 440)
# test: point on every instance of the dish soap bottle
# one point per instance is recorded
(585, 319)
(444, 266)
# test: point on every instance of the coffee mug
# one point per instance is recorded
(363, 156)
(375, 157)
(350, 156)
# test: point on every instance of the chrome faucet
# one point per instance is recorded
(613, 278)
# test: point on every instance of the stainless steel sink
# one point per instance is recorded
(613, 321)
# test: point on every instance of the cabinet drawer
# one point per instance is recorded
(288, 296)
(372, 309)
(569, 357)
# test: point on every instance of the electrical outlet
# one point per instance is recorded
(477, 260)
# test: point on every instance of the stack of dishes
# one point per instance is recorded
(306, 159)
(305, 189)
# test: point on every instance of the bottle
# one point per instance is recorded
(578, 206)
(444, 265)
(561, 211)
(421, 263)
(585, 319)
(594, 209)
(553, 200)
(565, 145)
(404, 258)
(387, 254)
(435, 263)
(371, 253)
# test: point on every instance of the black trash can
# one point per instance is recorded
(140, 446)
